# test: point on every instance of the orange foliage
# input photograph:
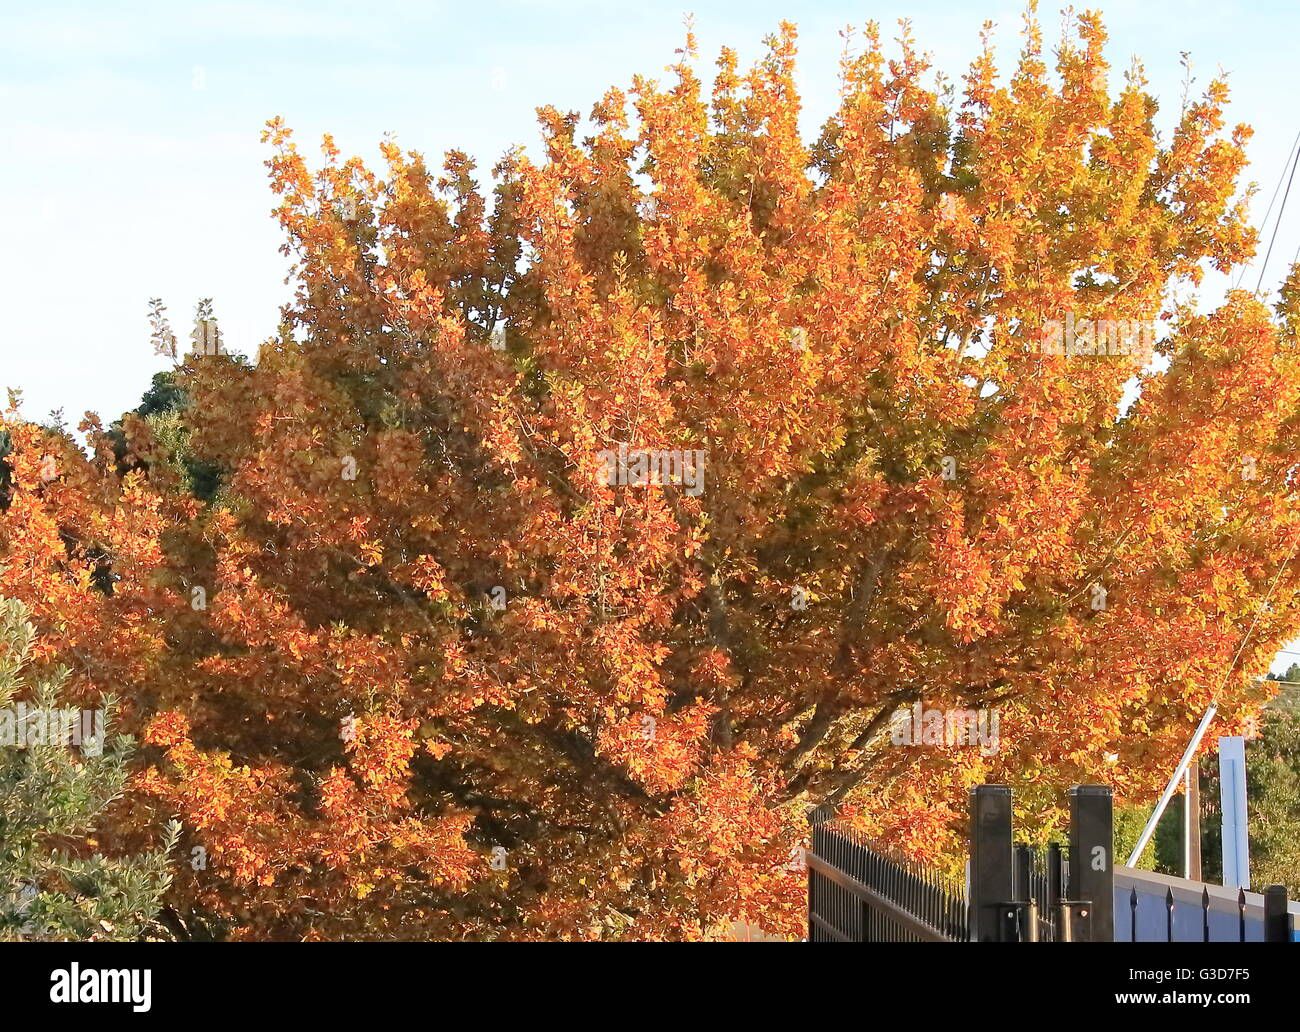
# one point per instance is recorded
(478, 690)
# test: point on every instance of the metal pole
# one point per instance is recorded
(1150, 828)
(1232, 795)
(1192, 821)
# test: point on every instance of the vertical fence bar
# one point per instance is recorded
(927, 897)
(1056, 893)
(1020, 889)
(843, 903)
(812, 884)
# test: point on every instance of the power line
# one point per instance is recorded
(1277, 225)
(1272, 201)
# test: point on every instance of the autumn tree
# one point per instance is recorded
(574, 538)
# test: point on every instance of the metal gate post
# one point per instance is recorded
(990, 860)
(1277, 922)
(1092, 857)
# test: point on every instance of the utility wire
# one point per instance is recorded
(1272, 201)
(1277, 225)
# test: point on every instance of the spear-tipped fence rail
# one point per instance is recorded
(859, 893)
(1159, 908)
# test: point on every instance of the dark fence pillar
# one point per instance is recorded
(990, 859)
(1277, 922)
(1092, 857)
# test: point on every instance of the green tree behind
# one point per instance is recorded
(53, 885)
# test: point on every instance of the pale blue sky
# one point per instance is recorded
(132, 167)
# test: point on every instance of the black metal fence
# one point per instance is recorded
(1040, 877)
(859, 892)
